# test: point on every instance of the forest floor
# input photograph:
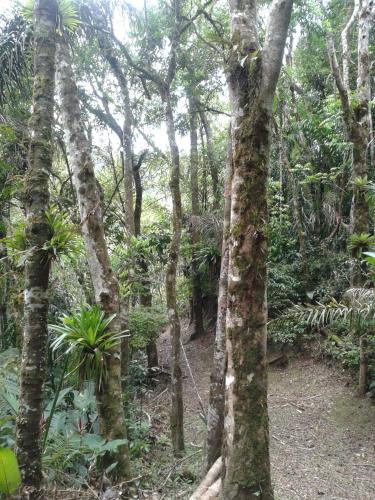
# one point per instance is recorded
(322, 435)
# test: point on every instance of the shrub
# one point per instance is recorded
(145, 325)
(283, 287)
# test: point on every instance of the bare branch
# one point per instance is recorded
(274, 44)
(345, 44)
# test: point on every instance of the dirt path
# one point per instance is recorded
(322, 436)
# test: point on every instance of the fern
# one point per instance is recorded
(360, 307)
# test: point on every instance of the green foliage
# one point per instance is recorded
(284, 287)
(64, 240)
(64, 237)
(287, 331)
(85, 336)
(359, 243)
(67, 15)
(10, 477)
(282, 238)
(207, 255)
(358, 309)
(145, 324)
(129, 262)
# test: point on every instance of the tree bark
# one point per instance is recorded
(109, 395)
(197, 328)
(38, 264)
(215, 413)
(177, 407)
(211, 158)
(363, 365)
(252, 78)
(4, 283)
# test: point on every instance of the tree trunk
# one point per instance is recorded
(177, 407)
(356, 115)
(4, 283)
(38, 264)
(109, 395)
(145, 297)
(211, 159)
(359, 131)
(362, 383)
(197, 328)
(252, 77)
(215, 413)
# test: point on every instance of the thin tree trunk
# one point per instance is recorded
(105, 44)
(356, 115)
(211, 159)
(252, 77)
(4, 283)
(109, 395)
(363, 365)
(177, 407)
(197, 328)
(145, 297)
(215, 413)
(38, 264)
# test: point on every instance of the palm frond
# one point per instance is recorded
(15, 38)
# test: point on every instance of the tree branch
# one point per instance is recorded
(274, 44)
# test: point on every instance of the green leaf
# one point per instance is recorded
(10, 477)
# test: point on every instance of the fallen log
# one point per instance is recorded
(209, 480)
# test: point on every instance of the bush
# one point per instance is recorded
(284, 287)
(145, 325)
(287, 331)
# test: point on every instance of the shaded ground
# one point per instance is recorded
(322, 435)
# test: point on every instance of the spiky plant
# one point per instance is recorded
(64, 239)
(86, 337)
(68, 19)
(359, 243)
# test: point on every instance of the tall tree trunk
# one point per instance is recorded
(356, 114)
(252, 76)
(197, 328)
(363, 366)
(4, 283)
(109, 395)
(360, 129)
(211, 158)
(38, 264)
(215, 413)
(145, 297)
(177, 407)
(126, 138)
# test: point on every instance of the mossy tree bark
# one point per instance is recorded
(109, 395)
(356, 114)
(215, 413)
(177, 408)
(252, 78)
(197, 328)
(38, 263)
(4, 282)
